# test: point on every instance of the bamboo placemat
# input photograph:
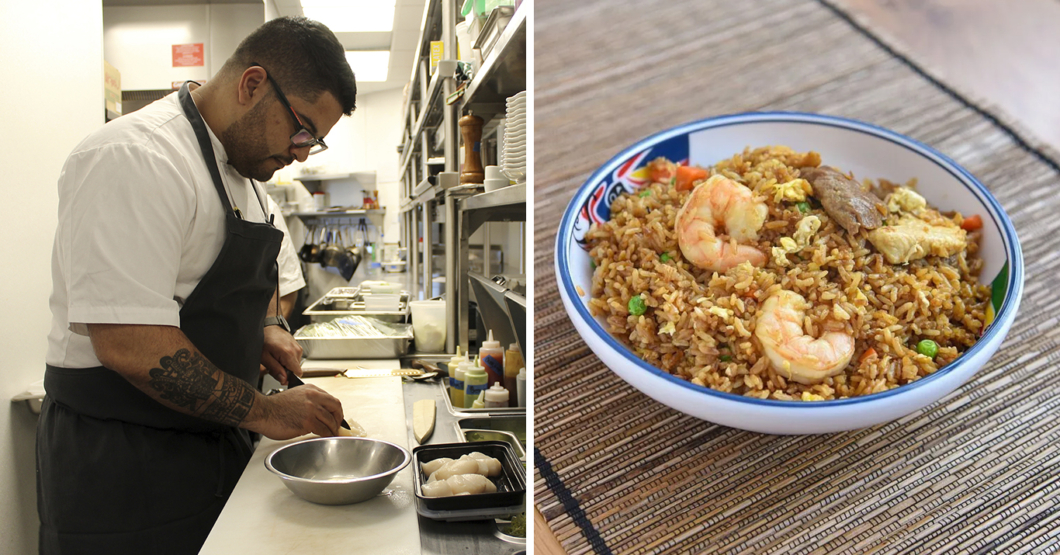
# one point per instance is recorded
(616, 472)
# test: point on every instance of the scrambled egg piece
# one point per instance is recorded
(669, 328)
(804, 232)
(807, 396)
(806, 229)
(905, 200)
(794, 190)
(720, 312)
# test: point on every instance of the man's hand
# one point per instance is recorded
(296, 412)
(281, 354)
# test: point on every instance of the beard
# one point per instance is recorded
(247, 149)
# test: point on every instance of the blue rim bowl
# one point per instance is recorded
(867, 150)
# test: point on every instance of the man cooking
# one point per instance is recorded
(164, 300)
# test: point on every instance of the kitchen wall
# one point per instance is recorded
(138, 40)
(52, 53)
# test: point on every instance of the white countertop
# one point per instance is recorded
(263, 516)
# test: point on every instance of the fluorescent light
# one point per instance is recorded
(352, 16)
(369, 65)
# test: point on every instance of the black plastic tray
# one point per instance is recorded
(511, 484)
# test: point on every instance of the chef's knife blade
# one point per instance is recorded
(295, 381)
(360, 372)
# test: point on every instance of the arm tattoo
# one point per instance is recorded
(191, 382)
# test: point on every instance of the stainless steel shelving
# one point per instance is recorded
(467, 213)
(503, 71)
(430, 143)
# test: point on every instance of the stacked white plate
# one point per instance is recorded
(513, 155)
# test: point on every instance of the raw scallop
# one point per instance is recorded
(437, 489)
(431, 466)
(493, 466)
(356, 430)
(459, 466)
(471, 484)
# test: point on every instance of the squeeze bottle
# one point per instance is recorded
(474, 384)
(461, 371)
(491, 357)
(521, 386)
(513, 361)
(478, 404)
(496, 396)
(456, 382)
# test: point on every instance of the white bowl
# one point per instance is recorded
(866, 150)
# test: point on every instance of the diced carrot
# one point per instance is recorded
(972, 223)
(868, 353)
(688, 175)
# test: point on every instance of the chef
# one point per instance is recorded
(165, 305)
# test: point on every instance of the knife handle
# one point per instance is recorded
(294, 381)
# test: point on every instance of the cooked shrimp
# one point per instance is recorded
(720, 201)
(793, 354)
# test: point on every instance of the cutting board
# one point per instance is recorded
(263, 516)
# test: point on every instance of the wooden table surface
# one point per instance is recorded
(1004, 53)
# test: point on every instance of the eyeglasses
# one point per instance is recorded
(302, 137)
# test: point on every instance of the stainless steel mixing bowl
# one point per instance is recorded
(338, 470)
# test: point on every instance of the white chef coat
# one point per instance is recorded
(140, 223)
(291, 278)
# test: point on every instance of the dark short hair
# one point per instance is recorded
(303, 56)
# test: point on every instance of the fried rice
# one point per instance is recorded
(699, 325)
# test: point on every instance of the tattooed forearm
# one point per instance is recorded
(190, 381)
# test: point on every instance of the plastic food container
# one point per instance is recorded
(428, 325)
(511, 484)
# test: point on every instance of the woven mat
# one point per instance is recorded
(616, 472)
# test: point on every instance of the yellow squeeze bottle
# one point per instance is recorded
(456, 381)
(475, 383)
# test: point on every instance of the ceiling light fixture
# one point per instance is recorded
(352, 16)
(369, 65)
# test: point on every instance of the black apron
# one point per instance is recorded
(118, 472)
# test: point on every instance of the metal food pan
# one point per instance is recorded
(354, 347)
(511, 484)
(322, 310)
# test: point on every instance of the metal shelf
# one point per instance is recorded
(431, 12)
(507, 204)
(428, 109)
(503, 72)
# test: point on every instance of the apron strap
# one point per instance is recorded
(199, 126)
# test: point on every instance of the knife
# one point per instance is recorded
(359, 372)
(295, 381)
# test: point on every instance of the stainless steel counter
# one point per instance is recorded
(449, 538)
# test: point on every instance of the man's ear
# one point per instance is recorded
(252, 86)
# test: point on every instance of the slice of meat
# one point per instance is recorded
(912, 239)
(844, 200)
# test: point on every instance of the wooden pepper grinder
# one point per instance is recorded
(471, 130)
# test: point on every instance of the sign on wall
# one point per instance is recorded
(188, 55)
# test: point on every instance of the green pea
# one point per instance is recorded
(666, 257)
(644, 193)
(592, 264)
(803, 207)
(927, 348)
(725, 358)
(637, 306)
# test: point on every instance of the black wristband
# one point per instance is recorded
(277, 321)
